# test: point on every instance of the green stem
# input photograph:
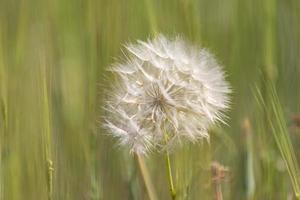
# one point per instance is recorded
(169, 171)
(47, 133)
(151, 16)
(50, 170)
(171, 184)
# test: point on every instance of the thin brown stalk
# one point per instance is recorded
(146, 177)
(218, 174)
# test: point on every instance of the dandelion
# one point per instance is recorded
(165, 91)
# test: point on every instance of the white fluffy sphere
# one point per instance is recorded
(165, 91)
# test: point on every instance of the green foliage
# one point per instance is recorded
(53, 56)
(277, 124)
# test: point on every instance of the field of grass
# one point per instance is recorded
(53, 56)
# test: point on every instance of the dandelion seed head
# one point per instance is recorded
(165, 87)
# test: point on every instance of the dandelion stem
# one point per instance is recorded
(172, 189)
(146, 177)
(169, 171)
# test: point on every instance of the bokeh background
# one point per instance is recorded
(53, 56)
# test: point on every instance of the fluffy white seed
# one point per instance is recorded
(165, 91)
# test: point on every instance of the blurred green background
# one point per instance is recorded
(53, 56)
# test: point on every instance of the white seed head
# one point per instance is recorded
(165, 91)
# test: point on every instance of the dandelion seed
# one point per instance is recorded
(165, 87)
